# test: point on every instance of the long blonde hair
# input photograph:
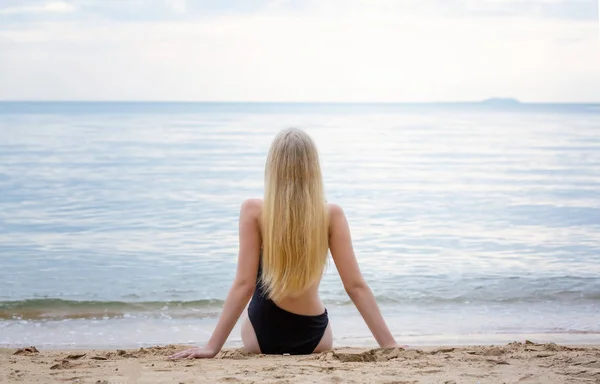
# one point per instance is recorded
(294, 216)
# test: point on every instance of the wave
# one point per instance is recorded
(57, 309)
(61, 309)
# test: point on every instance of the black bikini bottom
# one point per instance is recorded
(279, 331)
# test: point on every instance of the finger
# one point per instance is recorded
(179, 355)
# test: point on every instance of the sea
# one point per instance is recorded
(473, 223)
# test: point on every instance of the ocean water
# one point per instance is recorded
(471, 223)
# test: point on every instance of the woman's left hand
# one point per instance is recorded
(195, 353)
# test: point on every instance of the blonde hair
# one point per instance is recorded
(294, 216)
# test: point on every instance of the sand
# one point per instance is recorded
(525, 362)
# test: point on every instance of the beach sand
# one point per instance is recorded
(525, 362)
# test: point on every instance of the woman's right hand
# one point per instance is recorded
(195, 353)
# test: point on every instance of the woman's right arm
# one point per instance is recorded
(340, 244)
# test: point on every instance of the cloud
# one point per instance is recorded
(464, 9)
(376, 50)
(35, 8)
(139, 10)
(179, 6)
(130, 10)
(544, 9)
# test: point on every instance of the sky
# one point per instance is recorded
(300, 50)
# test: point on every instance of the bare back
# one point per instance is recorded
(308, 302)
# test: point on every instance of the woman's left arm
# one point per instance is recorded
(243, 285)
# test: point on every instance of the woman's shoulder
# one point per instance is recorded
(334, 210)
(252, 207)
(336, 217)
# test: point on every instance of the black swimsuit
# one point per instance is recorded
(279, 331)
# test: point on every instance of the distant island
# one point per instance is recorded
(501, 101)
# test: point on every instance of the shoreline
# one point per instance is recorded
(575, 339)
(525, 361)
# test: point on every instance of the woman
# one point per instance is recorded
(284, 241)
